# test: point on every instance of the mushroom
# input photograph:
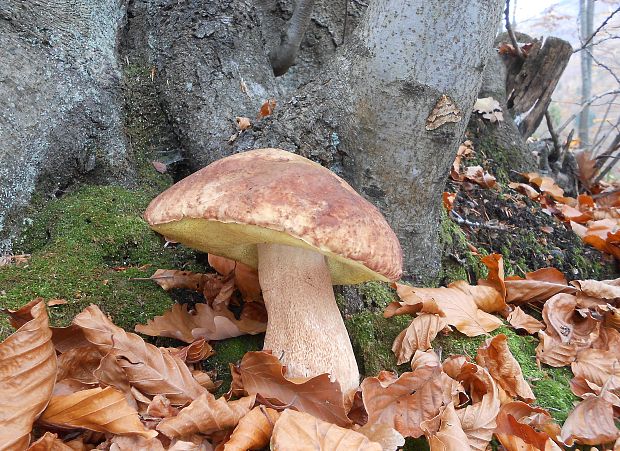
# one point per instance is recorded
(305, 229)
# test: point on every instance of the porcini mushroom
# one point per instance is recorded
(304, 228)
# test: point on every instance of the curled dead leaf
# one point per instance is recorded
(254, 430)
(206, 415)
(97, 409)
(27, 376)
(590, 423)
(303, 432)
(419, 335)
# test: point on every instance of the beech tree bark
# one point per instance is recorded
(387, 110)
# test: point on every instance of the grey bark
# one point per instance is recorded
(283, 56)
(60, 115)
(586, 27)
(361, 112)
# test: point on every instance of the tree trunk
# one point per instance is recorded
(366, 112)
(586, 27)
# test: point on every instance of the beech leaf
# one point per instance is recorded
(418, 336)
(521, 320)
(150, 369)
(206, 415)
(590, 423)
(27, 375)
(97, 409)
(263, 374)
(254, 430)
(450, 436)
(303, 432)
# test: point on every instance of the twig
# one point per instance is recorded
(615, 145)
(605, 193)
(605, 22)
(459, 220)
(589, 102)
(600, 127)
(511, 33)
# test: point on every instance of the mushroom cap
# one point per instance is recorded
(274, 196)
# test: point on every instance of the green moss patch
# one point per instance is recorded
(86, 247)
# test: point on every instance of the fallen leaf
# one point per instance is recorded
(598, 366)
(404, 403)
(525, 189)
(135, 442)
(419, 335)
(388, 437)
(97, 409)
(267, 108)
(303, 432)
(150, 369)
(254, 430)
(590, 423)
(246, 277)
(27, 375)
(495, 278)
(160, 407)
(410, 303)
(603, 289)
(458, 305)
(552, 351)
(545, 184)
(203, 322)
(263, 374)
(448, 200)
(243, 123)
(49, 442)
(170, 278)
(450, 436)
(195, 352)
(479, 176)
(496, 357)
(515, 432)
(206, 415)
(521, 320)
(478, 420)
(79, 364)
(538, 286)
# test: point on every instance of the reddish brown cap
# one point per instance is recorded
(274, 196)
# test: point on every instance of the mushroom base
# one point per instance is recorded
(305, 328)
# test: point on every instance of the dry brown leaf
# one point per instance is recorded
(546, 185)
(450, 436)
(204, 322)
(64, 338)
(448, 200)
(254, 430)
(160, 407)
(521, 320)
(172, 278)
(49, 442)
(404, 403)
(134, 443)
(27, 375)
(459, 307)
(552, 351)
(246, 277)
(538, 286)
(598, 366)
(496, 357)
(206, 415)
(263, 374)
(388, 437)
(478, 420)
(195, 352)
(419, 335)
(590, 423)
(150, 369)
(243, 123)
(489, 108)
(479, 176)
(559, 314)
(487, 298)
(79, 364)
(303, 432)
(495, 279)
(197, 443)
(603, 289)
(525, 189)
(97, 409)
(516, 435)
(410, 303)
(267, 108)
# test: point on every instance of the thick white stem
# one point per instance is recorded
(305, 328)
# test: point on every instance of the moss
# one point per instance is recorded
(376, 295)
(231, 351)
(86, 247)
(458, 262)
(372, 336)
